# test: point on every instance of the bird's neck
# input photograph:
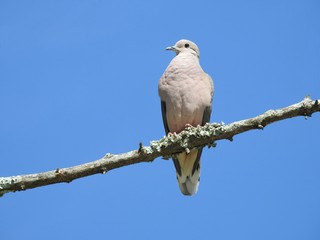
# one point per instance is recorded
(185, 61)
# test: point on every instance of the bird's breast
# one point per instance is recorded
(186, 92)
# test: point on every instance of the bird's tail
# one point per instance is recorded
(188, 171)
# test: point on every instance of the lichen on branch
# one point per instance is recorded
(174, 143)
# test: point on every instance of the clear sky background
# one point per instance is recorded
(78, 79)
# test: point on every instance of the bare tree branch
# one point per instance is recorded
(172, 144)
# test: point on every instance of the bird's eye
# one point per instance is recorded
(186, 45)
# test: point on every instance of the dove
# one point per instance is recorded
(186, 93)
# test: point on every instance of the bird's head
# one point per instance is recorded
(185, 46)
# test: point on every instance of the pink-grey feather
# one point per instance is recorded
(186, 97)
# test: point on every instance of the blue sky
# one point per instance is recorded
(78, 79)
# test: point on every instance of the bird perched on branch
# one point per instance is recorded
(186, 93)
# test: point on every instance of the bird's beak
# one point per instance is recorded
(171, 48)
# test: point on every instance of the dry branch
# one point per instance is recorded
(174, 143)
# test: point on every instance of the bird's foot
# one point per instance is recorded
(188, 125)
